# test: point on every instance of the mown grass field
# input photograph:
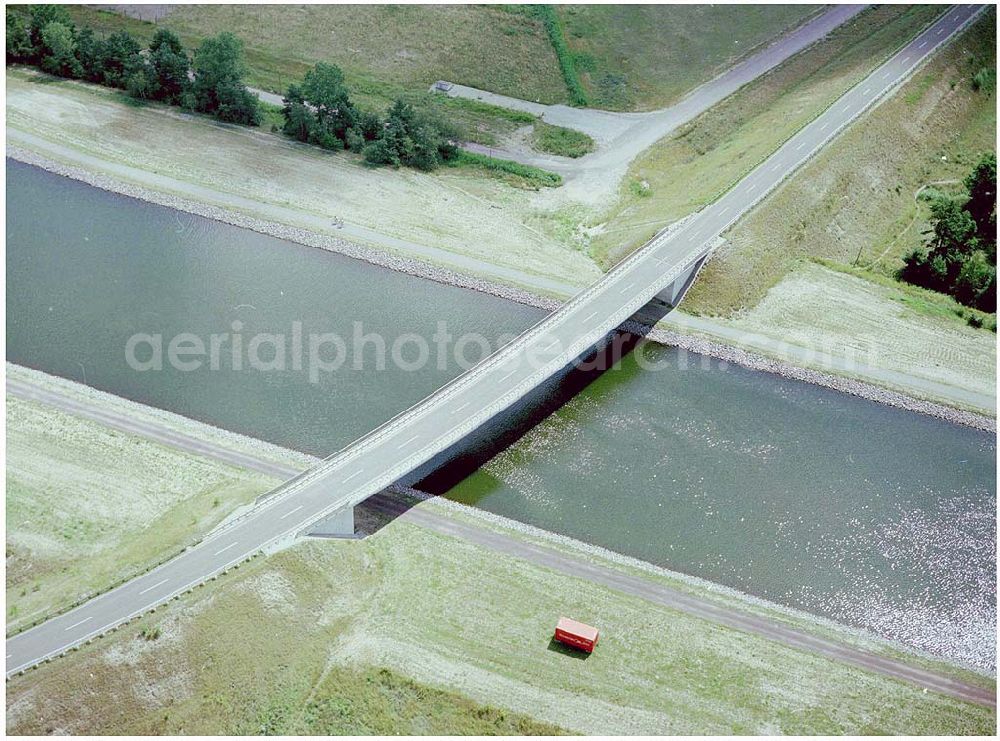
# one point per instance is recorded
(386, 51)
(855, 203)
(88, 506)
(642, 57)
(264, 650)
(411, 631)
(695, 164)
(877, 322)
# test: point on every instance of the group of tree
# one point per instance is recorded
(211, 82)
(319, 111)
(961, 256)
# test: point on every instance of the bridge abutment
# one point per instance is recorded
(338, 525)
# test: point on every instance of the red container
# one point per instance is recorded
(577, 635)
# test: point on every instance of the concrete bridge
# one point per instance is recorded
(656, 276)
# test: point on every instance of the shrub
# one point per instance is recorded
(560, 140)
(554, 29)
(515, 172)
(985, 79)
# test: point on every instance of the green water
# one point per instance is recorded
(865, 514)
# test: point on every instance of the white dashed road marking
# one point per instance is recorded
(150, 589)
(223, 550)
(408, 441)
(77, 625)
(290, 512)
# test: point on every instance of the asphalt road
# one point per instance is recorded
(535, 553)
(621, 137)
(390, 452)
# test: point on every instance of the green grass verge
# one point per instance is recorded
(448, 616)
(560, 140)
(88, 506)
(694, 165)
(854, 202)
(553, 27)
(515, 173)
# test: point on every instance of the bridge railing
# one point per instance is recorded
(373, 437)
(485, 365)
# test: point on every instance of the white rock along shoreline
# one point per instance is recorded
(699, 345)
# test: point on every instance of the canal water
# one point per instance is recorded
(870, 516)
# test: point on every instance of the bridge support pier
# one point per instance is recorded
(338, 525)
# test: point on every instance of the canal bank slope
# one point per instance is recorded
(90, 131)
(750, 349)
(682, 661)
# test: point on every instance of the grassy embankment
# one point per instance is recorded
(690, 168)
(385, 52)
(815, 264)
(643, 57)
(447, 614)
(374, 636)
(91, 127)
(88, 506)
(856, 202)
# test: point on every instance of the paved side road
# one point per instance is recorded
(621, 137)
(396, 449)
(538, 554)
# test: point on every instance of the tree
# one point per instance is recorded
(90, 52)
(975, 284)
(164, 37)
(58, 50)
(41, 16)
(960, 257)
(218, 77)
(236, 104)
(169, 66)
(120, 57)
(18, 43)
(394, 145)
(369, 125)
(411, 139)
(141, 85)
(299, 119)
(323, 89)
(982, 204)
(319, 110)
